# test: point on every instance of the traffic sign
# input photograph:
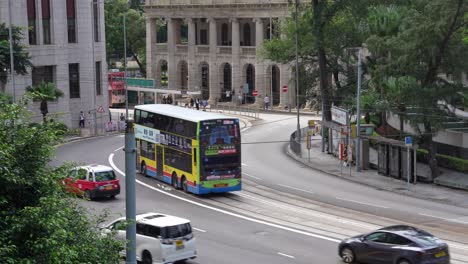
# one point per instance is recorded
(100, 109)
(246, 88)
(408, 141)
(255, 93)
(285, 88)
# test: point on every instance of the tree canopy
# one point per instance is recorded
(39, 222)
(44, 92)
(135, 31)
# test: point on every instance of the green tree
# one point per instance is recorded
(410, 57)
(44, 92)
(39, 222)
(136, 32)
(21, 56)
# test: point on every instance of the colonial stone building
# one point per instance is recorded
(66, 42)
(212, 46)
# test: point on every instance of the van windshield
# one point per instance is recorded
(176, 231)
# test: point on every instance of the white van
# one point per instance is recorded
(160, 238)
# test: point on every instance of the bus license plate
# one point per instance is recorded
(179, 244)
(221, 185)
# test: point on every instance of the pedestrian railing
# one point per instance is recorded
(236, 110)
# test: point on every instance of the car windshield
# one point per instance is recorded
(104, 176)
(176, 231)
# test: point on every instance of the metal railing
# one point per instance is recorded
(236, 110)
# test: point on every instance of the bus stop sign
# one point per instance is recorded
(408, 141)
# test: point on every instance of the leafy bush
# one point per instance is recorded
(444, 161)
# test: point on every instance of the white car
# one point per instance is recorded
(160, 238)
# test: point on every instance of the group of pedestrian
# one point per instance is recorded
(197, 103)
(167, 100)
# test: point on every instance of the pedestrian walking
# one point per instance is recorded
(191, 102)
(164, 100)
(266, 102)
(82, 120)
(122, 117)
(204, 104)
(239, 97)
(197, 104)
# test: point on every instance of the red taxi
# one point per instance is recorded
(93, 181)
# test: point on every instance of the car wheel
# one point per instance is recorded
(143, 169)
(184, 185)
(112, 196)
(404, 261)
(147, 259)
(174, 181)
(87, 195)
(347, 255)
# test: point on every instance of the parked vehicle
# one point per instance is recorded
(93, 181)
(398, 244)
(160, 238)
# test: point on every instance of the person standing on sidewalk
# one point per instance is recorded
(82, 119)
(266, 102)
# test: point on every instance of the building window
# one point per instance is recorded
(203, 37)
(161, 35)
(224, 34)
(98, 78)
(96, 20)
(46, 21)
(31, 6)
(71, 21)
(42, 74)
(74, 77)
(247, 41)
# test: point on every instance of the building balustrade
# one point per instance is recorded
(203, 49)
(211, 2)
(224, 50)
(249, 51)
(161, 48)
(181, 48)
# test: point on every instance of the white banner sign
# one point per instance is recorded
(339, 115)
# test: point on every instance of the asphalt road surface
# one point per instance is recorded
(286, 213)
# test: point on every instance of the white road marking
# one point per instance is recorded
(297, 189)
(111, 162)
(251, 176)
(119, 148)
(198, 229)
(285, 255)
(446, 219)
(245, 129)
(122, 136)
(347, 200)
(244, 164)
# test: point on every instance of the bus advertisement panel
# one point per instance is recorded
(196, 151)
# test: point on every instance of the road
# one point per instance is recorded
(285, 214)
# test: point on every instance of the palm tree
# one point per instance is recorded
(44, 92)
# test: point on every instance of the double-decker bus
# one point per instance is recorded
(196, 151)
(116, 89)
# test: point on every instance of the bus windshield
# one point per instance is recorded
(220, 149)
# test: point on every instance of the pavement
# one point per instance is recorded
(326, 163)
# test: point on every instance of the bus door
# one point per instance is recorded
(159, 163)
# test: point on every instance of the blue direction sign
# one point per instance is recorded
(408, 141)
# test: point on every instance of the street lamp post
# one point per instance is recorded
(298, 133)
(358, 114)
(12, 59)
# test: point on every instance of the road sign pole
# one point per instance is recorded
(408, 165)
(130, 197)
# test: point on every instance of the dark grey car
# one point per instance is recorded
(395, 245)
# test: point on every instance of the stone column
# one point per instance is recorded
(259, 63)
(213, 68)
(151, 48)
(235, 68)
(192, 72)
(171, 64)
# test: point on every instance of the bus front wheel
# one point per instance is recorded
(175, 184)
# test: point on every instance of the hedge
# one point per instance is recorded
(444, 161)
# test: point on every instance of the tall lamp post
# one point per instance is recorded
(298, 133)
(358, 115)
(12, 59)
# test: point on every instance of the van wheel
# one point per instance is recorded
(143, 169)
(184, 184)
(147, 259)
(87, 195)
(174, 181)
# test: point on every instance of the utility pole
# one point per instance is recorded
(130, 197)
(12, 59)
(298, 134)
(125, 63)
(93, 41)
(271, 79)
(358, 114)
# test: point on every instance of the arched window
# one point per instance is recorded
(247, 34)
(224, 35)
